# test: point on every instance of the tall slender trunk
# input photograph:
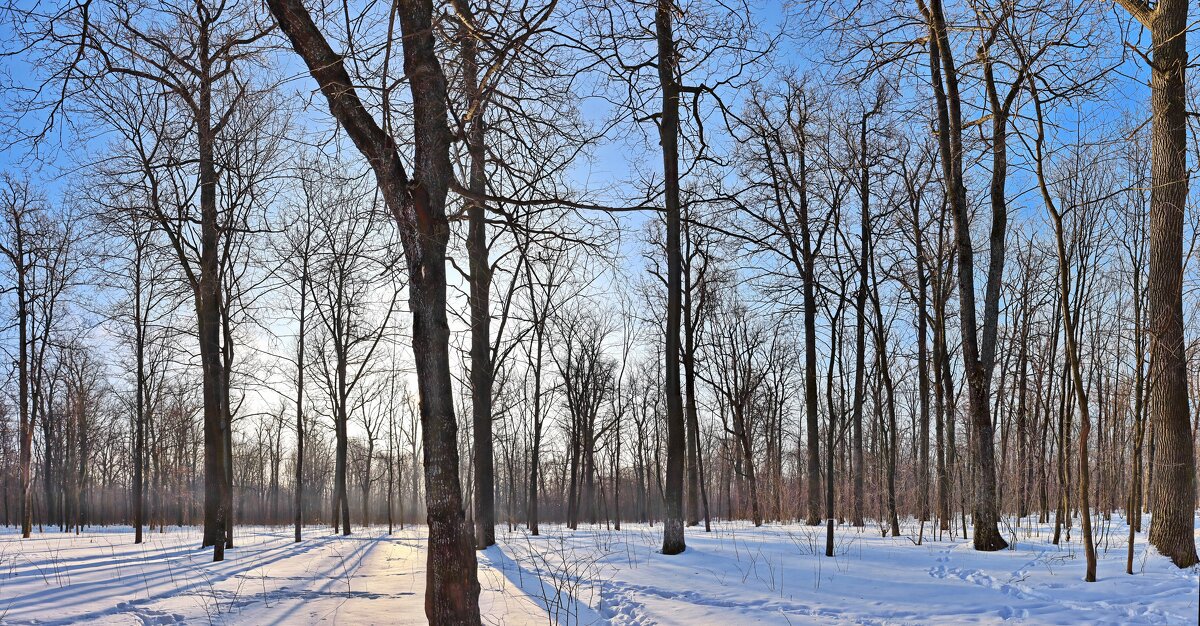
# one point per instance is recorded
(535, 461)
(945, 399)
(616, 478)
(480, 286)
(831, 427)
(1070, 321)
(1023, 466)
(391, 481)
(26, 421)
(922, 362)
(668, 66)
(860, 333)
(298, 504)
(1133, 509)
(341, 506)
(810, 355)
(208, 312)
(976, 365)
(227, 412)
(139, 441)
(366, 482)
(881, 353)
(742, 430)
(693, 419)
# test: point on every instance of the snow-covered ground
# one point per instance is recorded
(735, 575)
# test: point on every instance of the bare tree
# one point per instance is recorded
(1173, 494)
(978, 354)
(418, 206)
(355, 309)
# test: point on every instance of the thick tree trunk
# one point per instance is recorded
(1173, 492)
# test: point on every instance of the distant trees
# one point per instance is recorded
(355, 298)
(587, 373)
(296, 267)
(742, 354)
(784, 224)
(19, 211)
(137, 260)
(38, 245)
(543, 281)
(170, 81)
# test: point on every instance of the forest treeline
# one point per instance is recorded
(479, 263)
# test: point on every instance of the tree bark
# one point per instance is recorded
(1173, 492)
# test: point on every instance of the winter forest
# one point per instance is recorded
(599, 311)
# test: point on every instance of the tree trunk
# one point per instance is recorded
(480, 286)
(298, 504)
(1070, 320)
(860, 332)
(673, 540)
(693, 418)
(1173, 492)
(976, 366)
(139, 441)
(419, 209)
(208, 313)
(922, 367)
(810, 358)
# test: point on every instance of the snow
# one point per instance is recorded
(735, 575)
